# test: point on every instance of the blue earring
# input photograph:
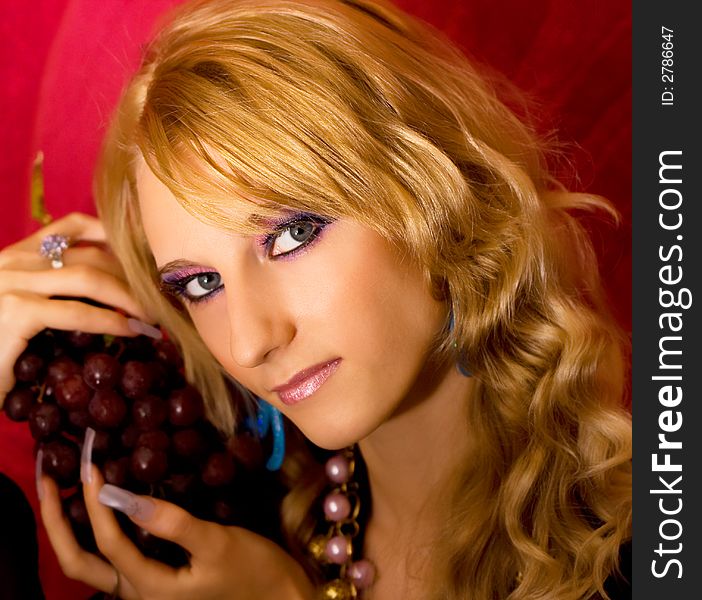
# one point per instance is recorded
(460, 363)
(269, 417)
(462, 369)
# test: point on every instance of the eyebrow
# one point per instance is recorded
(254, 219)
(267, 222)
(174, 265)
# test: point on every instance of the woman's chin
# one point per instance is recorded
(334, 437)
(328, 441)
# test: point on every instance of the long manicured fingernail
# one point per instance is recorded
(38, 469)
(142, 328)
(126, 502)
(86, 456)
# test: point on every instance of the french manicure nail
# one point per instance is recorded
(86, 456)
(142, 328)
(126, 502)
(38, 469)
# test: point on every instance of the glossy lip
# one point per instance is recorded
(306, 382)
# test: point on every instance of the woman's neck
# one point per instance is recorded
(410, 456)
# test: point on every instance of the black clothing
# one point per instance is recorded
(19, 564)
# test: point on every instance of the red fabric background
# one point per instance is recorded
(63, 63)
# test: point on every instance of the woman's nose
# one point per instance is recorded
(258, 324)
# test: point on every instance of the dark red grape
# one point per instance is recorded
(149, 412)
(107, 408)
(103, 443)
(137, 378)
(139, 348)
(29, 367)
(101, 371)
(145, 539)
(45, 344)
(116, 471)
(61, 461)
(44, 420)
(81, 340)
(76, 510)
(218, 470)
(79, 419)
(72, 393)
(185, 407)
(167, 353)
(162, 378)
(130, 436)
(148, 465)
(19, 403)
(247, 450)
(158, 548)
(189, 443)
(183, 484)
(156, 440)
(60, 369)
(224, 510)
(147, 421)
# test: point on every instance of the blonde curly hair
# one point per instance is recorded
(352, 108)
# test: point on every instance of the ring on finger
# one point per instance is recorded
(115, 590)
(53, 246)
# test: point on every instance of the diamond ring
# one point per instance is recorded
(52, 247)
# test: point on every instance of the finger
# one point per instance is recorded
(29, 259)
(76, 562)
(95, 256)
(76, 281)
(23, 315)
(77, 226)
(203, 539)
(145, 574)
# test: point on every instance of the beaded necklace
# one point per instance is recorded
(342, 506)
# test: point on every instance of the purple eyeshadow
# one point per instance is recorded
(176, 277)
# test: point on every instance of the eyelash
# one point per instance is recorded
(177, 286)
(269, 240)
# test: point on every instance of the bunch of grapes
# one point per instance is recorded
(151, 434)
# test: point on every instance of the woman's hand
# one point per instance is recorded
(225, 563)
(28, 283)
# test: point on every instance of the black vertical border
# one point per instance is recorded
(658, 128)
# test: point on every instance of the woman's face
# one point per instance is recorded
(324, 320)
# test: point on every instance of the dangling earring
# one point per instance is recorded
(462, 369)
(267, 417)
(460, 363)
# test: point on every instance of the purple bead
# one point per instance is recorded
(337, 469)
(362, 574)
(338, 550)
(337, 507)
(53, 245)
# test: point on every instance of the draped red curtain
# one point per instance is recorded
(63, 63)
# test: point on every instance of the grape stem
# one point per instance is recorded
(42, 389)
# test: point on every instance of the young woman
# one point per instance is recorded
(324, 202)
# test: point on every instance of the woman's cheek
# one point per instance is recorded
(213, 327)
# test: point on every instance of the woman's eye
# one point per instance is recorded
(294, 236)
(201, 285)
